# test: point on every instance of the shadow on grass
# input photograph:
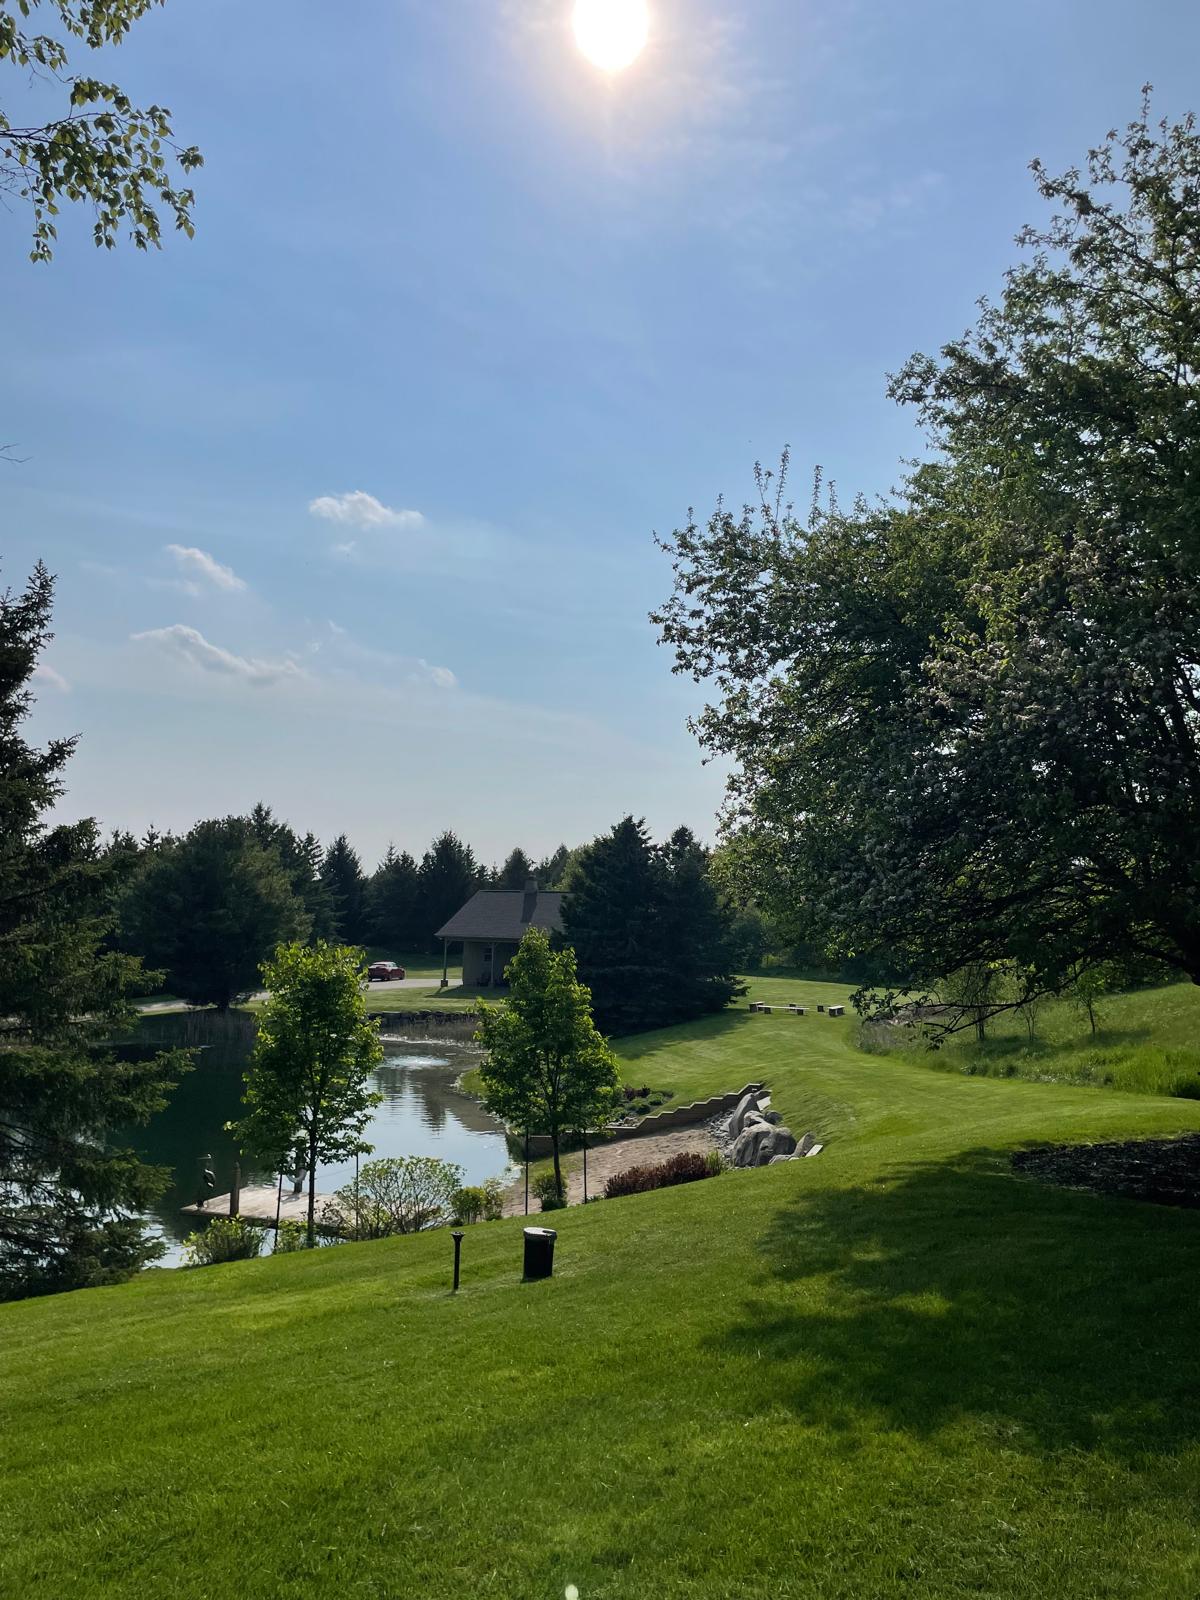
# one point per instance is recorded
(1051, 1319)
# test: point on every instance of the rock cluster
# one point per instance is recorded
(756, 1136)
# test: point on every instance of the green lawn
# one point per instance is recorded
(1147, 1041)
(896, 1370)
(431, 999)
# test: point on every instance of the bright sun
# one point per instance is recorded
(611, 33)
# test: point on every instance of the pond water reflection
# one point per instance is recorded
(421, 1113)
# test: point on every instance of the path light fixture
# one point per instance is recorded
(456, 1235)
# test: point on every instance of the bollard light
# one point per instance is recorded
(456, 1235)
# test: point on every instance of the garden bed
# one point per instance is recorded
(1165, 1171)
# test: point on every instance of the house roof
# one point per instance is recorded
(505, 915)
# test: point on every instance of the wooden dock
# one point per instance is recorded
(257, 1202)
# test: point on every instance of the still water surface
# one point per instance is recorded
(421, 1113)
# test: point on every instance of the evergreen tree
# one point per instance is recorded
(68, 1195)
(449, 876)
(301, 858)
(516, 871)
(210, 908)
(613, 919)
(696, 928)
(392, 903)
(553, 870)
(346, 884)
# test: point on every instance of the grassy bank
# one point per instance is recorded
(897, 1370)
(1146, 1042)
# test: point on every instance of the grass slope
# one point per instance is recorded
(897, 1370)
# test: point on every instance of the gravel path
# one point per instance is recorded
(616, 1156)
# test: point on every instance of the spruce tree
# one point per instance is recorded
(449, 876)
(210, 908)
(68, 1194)
(346, 883)
(613, 919)
(516, 871)
(392, 893)
(696, 928)
(551, 871)
(301, 858)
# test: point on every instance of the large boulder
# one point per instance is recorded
(775, 1142)
(745, 1146)
(747, 1104)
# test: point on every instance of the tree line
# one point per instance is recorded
(656, 940)
(208, 907)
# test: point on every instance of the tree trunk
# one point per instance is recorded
(558, 1177)
(312, 1191)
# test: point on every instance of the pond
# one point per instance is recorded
(421, 1113)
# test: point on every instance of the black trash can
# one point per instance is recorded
(539, 1252)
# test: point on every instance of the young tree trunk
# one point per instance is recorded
(312, 1190)
(558, 1177)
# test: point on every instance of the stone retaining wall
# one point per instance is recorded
(660, 1121)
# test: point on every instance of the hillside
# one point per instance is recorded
(898, 1369)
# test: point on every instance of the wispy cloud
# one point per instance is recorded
(44, 673)
(190, 645)
(358, 509)
(200, 565)
(411, 669)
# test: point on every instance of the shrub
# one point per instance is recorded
(290, 1236)
(493, 1200)
(687, 1167)
(225, 1239)
(400, 1194)
(715, 1163)
(548, 1192)
(468, 1204)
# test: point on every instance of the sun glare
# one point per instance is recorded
(611, 33)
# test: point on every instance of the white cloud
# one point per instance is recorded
(441, 676)
(191, 645)
(362, 510)
(201, 565)
(43, 673)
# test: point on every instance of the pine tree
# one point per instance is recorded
(696, 928)
(210, 908)
(392, 903)
(346, 883)
(516, 871)
(301, 858)
(613, 919)
(68, 1196)
(449, 876)
(553, 870)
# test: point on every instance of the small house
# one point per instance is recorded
(492, 924)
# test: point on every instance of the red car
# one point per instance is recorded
(384, 972)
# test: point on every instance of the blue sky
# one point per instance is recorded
(351, 498)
